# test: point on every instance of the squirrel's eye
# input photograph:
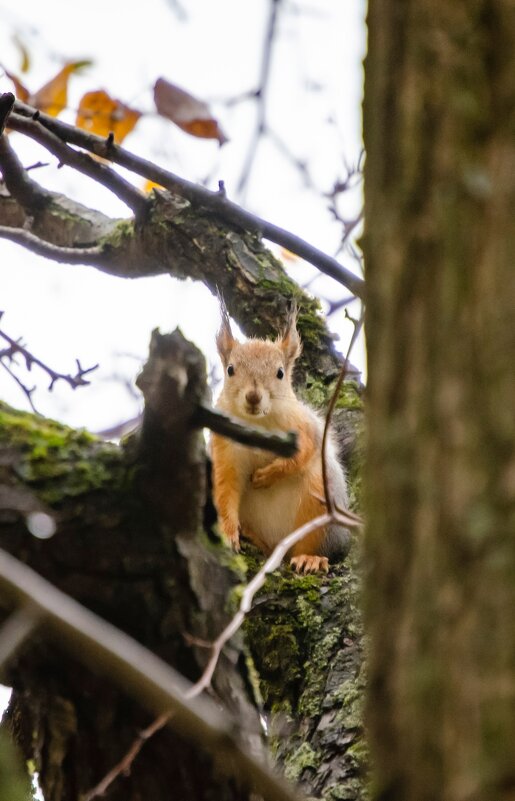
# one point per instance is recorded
(230, 370)
(280, 373)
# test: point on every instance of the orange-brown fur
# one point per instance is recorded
(263, 496)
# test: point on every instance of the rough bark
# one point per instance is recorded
(439, 120)
(129, 545)
(134, 543)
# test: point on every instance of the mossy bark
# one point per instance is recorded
(439, 244)
(131, 544)
(121, 550)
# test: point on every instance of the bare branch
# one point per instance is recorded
(281, 444)
(124, 765)
(336, 305)
(43, 248)
(261, 95)
(26, 191)
(82, 162)
(141, 673)
(28, 392)
(16, 347)
(328, 498)
(198, 196)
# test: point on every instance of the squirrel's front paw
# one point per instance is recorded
(262, 477)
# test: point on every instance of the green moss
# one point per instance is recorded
(349, 790)
(349, 696)
(119, 235)
(58, 461)
(297, 762)
(318, 394)
(309, 321)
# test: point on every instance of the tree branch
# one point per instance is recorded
(27, 192)
(82, 162)
(21, 236)
(260, 95)
(6, 105)
(198, 196)
(281, 444)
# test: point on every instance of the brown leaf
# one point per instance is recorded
(53, 96)
(20, 90)
(189, 113)
(101, 114)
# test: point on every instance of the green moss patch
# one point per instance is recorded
(319, 394)
(58, 461)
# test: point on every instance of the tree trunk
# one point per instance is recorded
(439, 120)
(134, 542)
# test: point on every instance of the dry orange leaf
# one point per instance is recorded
(21, 91)
(53, 96)
(101, 114)
(189, 113)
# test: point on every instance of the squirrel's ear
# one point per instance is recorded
(224, 338)
(290, 342)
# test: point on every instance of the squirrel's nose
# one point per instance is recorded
(253, 397)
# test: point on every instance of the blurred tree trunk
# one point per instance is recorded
(439, 120)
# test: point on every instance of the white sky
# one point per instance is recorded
(65, 312)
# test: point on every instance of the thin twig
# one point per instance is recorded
(57, 253)
(271, 564)
(125, 764)
(336, 305)
(16, 347)
(261, 96)
(26, 391)
(328, 497)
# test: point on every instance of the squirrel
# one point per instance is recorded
(256, 493)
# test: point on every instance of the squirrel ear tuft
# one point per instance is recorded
(290, 342)
(224, 338)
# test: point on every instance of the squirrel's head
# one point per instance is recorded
(257, 372)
